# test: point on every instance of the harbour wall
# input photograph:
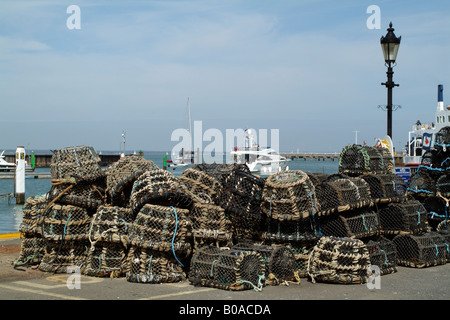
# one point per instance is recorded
(44, 160)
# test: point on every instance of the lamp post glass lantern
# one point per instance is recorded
(390, 45)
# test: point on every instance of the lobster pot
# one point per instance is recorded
(122, 174)
(220, 170)
(32, 214)
(111, 224)
(292, 231)
(86, 194)
(355, 160)
(65, 256)
(161, 228)
(340, 193)
(289, 195)
(233, 270)
(159, 187)
(317, 177)
(445, 234)
(241, 199)
(383, 254)
(385, 188)
(32, 249)
(204, 187)
(150, 266)
(339, 260)
(66, 222)
(302, 251)
(360, 223)
(209, 222)
(437, 208)
(405, 217)
(442, 139)
(279, 262)
(443, 185)
(432, 163)
(421, 185)
(79, 162)
(421, 250)
(106, 259)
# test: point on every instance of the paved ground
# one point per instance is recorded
(429, 284)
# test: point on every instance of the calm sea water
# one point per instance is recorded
(11, 213)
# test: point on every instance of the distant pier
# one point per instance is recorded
(311, 156)
(44, 160)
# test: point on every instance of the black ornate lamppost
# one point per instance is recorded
(390, 44)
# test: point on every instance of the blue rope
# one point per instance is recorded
(65, 226)
(385, 257)
(437, 250)
(174, 234)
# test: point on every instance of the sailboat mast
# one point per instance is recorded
(189, 116)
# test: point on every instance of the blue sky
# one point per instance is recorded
(312, 69)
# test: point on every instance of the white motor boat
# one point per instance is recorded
(5, 165)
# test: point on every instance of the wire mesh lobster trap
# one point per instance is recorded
(359, 223)
(292, 231)
(443, 185)
(442, 139)
(339, 260)
(432, 163)
(233, 270)
(32, 250)
(220, 170)
(122, 174)
(86, 194)
(241, 198)
(385, 188)
(383, 254)
(421, 185)
(204, 187)
(106, 259)
(32, 214)
(66, 222)
(445, 234)
(340, 193)
(111, 224)
(403, 217)
(63, 256)
(161, 228)
(302, 252)
(279, 262)
(289, 195)
(355, 160)
(210, 225)
(437, 208)
(421, 250)
(81, 162)
(145, 265)
(159, 187)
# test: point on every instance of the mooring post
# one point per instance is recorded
(20, 175)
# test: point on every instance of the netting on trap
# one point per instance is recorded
(204, 187)
(233, 270)
(279, 262)
(32, 250)
(292, 230)
(302, 252)
(220, 170)
(421, 185)
(360, 223)
(86, 194)
(289, 195)
(404, 217)
(122, 174)
(340, 193)
(385, 188)
(106, 259)
(443, 185)
(383, 254)
(32, 214)
(339, 260)
(442, 139)
(421, 250)
(79, 162)
(111, 224)
(209, 222)
(159, 187)
(161, 228)
(149, 266)
(317, 177)
(356, 160)
(66, 222)
(241, 199)
(432, 163)
(64, 256)
(437, 208)
(445, 234)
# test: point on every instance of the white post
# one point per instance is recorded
(20, 176)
